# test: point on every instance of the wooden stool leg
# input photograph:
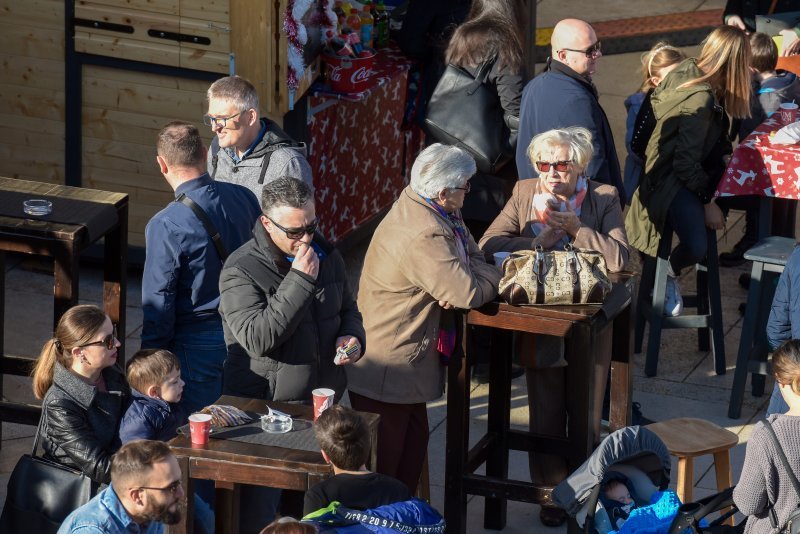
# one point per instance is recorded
(424, 485)
(685, 478)
(722, 470)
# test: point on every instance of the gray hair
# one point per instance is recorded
(577, 139)
(440, 167)
(236, 90)
(285, 191)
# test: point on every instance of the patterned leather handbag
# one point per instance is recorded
(566, 276)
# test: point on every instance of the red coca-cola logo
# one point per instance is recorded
(360, 75)
(336, 73)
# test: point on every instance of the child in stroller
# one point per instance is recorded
(622, 486)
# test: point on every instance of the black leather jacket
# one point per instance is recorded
(81, 425)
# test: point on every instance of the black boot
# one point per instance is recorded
(735, 257)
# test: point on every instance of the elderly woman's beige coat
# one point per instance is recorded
(412, 263)
(603, 227)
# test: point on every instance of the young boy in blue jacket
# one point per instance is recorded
(155, 412)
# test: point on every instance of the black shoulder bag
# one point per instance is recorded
(211, 230)
(466, 112)
(42, 493)
(792, 525)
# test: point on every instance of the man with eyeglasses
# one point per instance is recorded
(248, 150)
(180, 283)
(145, 494)
(564, 95)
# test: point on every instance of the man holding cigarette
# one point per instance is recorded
(289, 317)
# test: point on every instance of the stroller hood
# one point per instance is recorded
(633, 445)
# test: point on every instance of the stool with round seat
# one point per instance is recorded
(686, 438)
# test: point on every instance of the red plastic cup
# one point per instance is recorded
(199, 428)
(323, 399)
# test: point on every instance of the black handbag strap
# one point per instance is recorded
(38, 432)
(786, 466)
(212, 231)
(481, 75)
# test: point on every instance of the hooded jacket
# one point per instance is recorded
(151, 418)
(81, 424)
(281, 325)
(690, 124)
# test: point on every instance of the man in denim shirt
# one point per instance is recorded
(145, 494)
(180, 285)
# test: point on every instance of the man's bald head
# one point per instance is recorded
(570, 35)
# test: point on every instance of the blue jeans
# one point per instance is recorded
(687, 218)
(201, 353)
(776, 403)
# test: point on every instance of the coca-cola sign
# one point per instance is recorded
(361, 74)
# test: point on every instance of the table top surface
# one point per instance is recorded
(757, 167)
(63, 191)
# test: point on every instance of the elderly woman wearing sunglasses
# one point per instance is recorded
(84, 393)
(562, 206)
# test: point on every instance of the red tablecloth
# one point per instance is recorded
(359, 153)
(758, 167)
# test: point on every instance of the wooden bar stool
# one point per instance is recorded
(687, 438)
(707, 301)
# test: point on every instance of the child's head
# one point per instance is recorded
(764, 53)
(288, 525)
(156, 373)
(343, 437)
(658, 62)
(616, 490)
(786, 366)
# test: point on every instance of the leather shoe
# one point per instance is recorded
(552, 516)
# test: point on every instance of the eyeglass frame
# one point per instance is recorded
(208, 120)
(109, 345)
(297, 233)
(172, 487)
(467, 188)
(592, 52)
(564, 164)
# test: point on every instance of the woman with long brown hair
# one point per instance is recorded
(84, 394)
(684, 157)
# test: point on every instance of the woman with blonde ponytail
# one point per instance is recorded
(84, 394)
(685, 157)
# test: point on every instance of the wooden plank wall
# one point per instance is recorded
(122, 112)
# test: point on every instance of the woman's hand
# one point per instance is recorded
(564, 220)
(715, 219)
(791, 44)
(735, 20)
(548, 237)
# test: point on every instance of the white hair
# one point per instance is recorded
(440, 167)
(577, 139)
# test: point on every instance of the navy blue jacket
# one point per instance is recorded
(180, 285)
(151, 418)
(559, 98)
(784, 318)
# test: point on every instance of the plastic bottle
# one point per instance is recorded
(354, 21)
(340, 16)
(381, 17)
(367, 26)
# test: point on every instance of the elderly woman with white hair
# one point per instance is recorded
(561, 206)
(421, 264)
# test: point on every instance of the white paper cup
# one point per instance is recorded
(499, 257)
(199, 428)
(323, 399)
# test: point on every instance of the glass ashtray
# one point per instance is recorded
(37, 207)
(276, 424)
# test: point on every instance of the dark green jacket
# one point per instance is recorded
(689, 124)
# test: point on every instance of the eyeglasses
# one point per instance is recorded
(108, 342)
(560, 166)
(466, 188)
(591, 52)
(172, 488)
(208, 120)
(298, 233)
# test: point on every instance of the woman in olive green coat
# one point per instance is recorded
(685, 153)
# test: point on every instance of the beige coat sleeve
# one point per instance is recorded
(504, 232)
(611, 239)
(433, 265)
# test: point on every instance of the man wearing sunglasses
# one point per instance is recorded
(564, 95)
(247, 149)
(180, 283)
(145, 494)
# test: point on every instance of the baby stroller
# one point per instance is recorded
(640, 456)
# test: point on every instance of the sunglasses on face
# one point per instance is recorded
(108, 342)
(591, 52)
(298, 233)
(560, 166)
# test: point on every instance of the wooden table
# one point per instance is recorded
(62, 242)
(232, 463)
(579, 326)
